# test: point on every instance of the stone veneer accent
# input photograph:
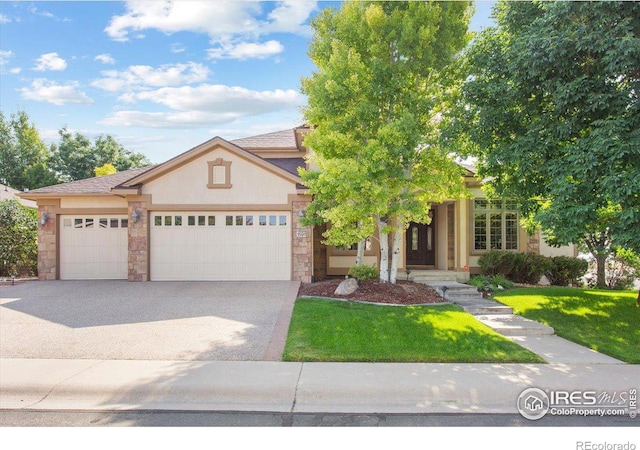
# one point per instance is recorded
(533, 243)
(138, 264)
(320, 262)
(302, 245)
(47, 246)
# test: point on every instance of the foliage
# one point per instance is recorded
(566, 271)
(622, 268)
(605, 321)
(551, 111)
(325, 330)
(495, 283)
(383, 76)
(105, 169)
(76, 157)
(518, 267)
(18, 239)
(24, 157)
(363, 272)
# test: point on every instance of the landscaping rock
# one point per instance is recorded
(347, 287)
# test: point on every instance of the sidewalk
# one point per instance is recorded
(293, 387)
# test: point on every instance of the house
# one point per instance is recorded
(8, 193)
(232, 210)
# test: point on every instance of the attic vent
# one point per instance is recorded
(219, 174)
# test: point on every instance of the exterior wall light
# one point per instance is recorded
(301, 213)
(44, 218)
(135, 215)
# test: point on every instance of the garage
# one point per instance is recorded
(93, 247)
(220, 246)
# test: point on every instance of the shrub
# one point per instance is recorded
(495, 283)
(363, 272)
(528, 268)
(18, 239)
(497, 262)
(565, 271)
(622, 269)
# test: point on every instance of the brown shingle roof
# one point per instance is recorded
(277, 139)
(96, 185)
(289, 164)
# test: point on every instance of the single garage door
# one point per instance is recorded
(220, 246)
(93, 247)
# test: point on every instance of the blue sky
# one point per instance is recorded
(161, 77)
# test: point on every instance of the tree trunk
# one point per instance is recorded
(395, 251)
(360, 254)
(384, 250)
(638, 300)
(601, 261)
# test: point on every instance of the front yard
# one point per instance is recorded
(606, 321)
(328, 330)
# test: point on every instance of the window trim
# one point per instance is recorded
(227, 174)
(487, 211)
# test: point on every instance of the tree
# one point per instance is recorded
(18, 239)
(76, 157)
(374, 100)
(551, 109)
(105, 169)
(24, 157)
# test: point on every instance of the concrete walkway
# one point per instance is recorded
(533, 336)
(33, 384)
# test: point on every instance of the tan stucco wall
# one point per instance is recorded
(565, 250)
(93, 202)
(250, 184)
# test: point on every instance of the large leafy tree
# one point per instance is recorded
(374, 102)
(24, 157)
(76, 157)
(551, 106)
(18, 239)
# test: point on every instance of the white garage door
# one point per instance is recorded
(93, 247)
(220, 246)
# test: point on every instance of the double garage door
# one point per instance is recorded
(220, 246)
(183, 246)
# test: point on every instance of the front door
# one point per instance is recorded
(420, 241)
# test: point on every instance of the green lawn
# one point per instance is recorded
(606, 321)
(326, 330)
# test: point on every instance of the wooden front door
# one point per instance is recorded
(420, 244)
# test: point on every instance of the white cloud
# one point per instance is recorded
(43, 90)
(15, 70)
(50, 61)
(105, 58)
(246, 50)
(203, 106)
(221, 20)
(4, 19)
(177, 47)
(5, 56)
(138, 77)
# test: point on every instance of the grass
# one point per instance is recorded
(325, 330)
(606, 321)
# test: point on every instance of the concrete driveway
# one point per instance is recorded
(181, 321)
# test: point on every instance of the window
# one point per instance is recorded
(219, 174)
(201, 221)
(262, 221)
(103, 223)
(124, 223)
(67, 223)
(178, 221)
(113, 223)
(495, 225)
(88, 223)
(212, 221)
(239, 220)
(248, 221)
(229, 221)
(191, 220)
(167, 221)
(282, 221)
(354, 247)
(272, 221)
(157, 221)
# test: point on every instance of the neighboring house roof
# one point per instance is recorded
(291, 165)
(96, 185)
(9, 193)
(277, 139)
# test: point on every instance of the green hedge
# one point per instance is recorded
(526, 268)
(566, 271)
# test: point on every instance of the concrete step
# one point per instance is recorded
(512, 325)
(483, 309)
(435, 277)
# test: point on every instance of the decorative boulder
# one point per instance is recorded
(347, 287)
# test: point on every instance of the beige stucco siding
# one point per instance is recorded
(250, 184)
(104, 201)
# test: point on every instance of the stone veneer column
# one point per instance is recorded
(47, 246)
(533, 243)
(138, 269)
(302, 244)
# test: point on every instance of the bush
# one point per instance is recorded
(518, 267)
(528, 268)
(495, 283)
(496, 262)
(566, 271)
(622, 269)
(363, 272)
(18, 239)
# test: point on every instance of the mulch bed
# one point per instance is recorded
(401, 293)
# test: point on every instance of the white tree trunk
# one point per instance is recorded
(384, 251)
(395, 251)
(360, 254)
